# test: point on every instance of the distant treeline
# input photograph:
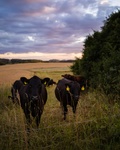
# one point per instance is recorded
(16, 61)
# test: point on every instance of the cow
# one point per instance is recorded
(51, 82)
(48, 82)
(33, 97)
(67, 92)
(21, 91)
(80, 79)
(15, 90)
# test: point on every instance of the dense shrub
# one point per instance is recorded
(100, 63)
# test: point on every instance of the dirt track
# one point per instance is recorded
(10, 73)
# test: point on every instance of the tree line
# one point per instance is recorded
(15, 61)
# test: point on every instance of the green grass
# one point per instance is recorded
(96, 125)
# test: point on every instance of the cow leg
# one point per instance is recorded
(28, 119)
(14, 96)
(65, 111)
(26, 112)
(38, 117)
(27, 116)
(17, 101)
(13, 91)
(74, 107)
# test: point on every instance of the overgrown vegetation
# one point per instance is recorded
(96, 125)
(100, 63)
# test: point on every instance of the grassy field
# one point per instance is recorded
(96, 125)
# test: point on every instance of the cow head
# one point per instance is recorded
(80, 79)
(73, 89)
(33, 88)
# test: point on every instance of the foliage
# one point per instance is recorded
(101, 57)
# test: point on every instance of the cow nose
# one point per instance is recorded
(76, 97)
(34, 97)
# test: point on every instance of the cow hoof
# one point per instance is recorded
(9, 97)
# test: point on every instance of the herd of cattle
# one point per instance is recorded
(31, 94)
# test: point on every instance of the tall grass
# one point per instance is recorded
(95, 126)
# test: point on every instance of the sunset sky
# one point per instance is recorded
(50, 29)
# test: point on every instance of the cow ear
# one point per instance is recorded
(43, 81)
(24, 80)
(25, 83)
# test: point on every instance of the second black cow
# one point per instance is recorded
(67, 92)
(16, 86)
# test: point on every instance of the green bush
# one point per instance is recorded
(100, 63)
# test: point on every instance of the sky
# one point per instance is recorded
(50, 29)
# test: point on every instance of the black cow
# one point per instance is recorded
(47, 81)
(15, 90)
(33, 97)
(67, 92)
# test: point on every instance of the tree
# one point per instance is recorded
(100, 63)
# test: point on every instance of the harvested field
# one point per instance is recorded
(10, 73)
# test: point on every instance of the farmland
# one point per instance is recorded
(95, 126)
(10, 73)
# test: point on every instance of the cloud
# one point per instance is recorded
(56, 26)
(41, 56)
